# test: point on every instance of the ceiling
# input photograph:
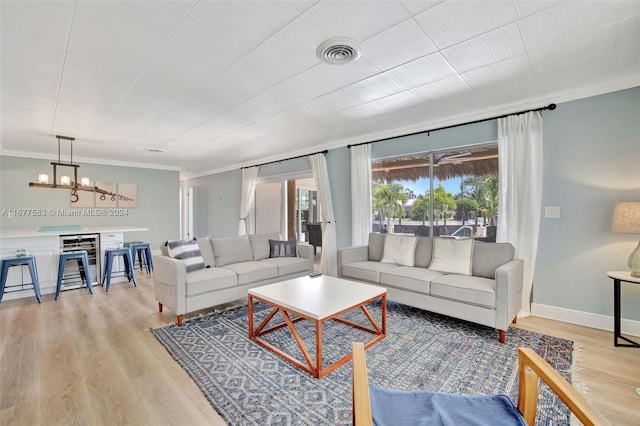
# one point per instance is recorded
(205, 86)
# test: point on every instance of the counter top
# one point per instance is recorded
(21, 233)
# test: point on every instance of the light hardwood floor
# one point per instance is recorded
(91, 360)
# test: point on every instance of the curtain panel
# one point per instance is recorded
(249, 181)
(361, 222)
(329, 257)
(520, 187)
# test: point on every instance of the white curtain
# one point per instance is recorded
(328, 259)
(249, 181)
(520, 187)
(361, 222)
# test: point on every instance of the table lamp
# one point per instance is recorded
(626, 220)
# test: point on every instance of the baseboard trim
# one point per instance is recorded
(586, 319)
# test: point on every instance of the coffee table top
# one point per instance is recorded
(319, 297)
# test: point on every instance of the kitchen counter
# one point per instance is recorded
(46, 244)
(65, 230)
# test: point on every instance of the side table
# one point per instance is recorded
(618, 277)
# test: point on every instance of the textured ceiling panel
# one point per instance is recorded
(222, 84)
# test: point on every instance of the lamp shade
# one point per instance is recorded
(626, 217)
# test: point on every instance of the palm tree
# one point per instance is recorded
(484, 191)
(420, 209)
(388, 201)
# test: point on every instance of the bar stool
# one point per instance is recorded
(109, 255)
(82, 258)
(143, 252)
(29, 261)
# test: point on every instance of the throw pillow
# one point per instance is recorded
(279, 248)
(188, 251)
(376, 246)
(399, 249)
(452, 256)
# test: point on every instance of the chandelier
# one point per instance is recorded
(66, 181)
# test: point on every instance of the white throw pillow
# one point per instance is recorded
(399, 249)
(452, 256)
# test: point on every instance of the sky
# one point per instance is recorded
(422, 185)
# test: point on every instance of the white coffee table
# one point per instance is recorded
(319, 300)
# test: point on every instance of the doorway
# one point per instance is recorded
(287, 204)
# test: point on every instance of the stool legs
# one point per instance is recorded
(142, 252)
(29, 261)
(34, 278)
(83, 268)
(108, 266)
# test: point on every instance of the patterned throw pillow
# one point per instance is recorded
(282, 248)
(188, 251)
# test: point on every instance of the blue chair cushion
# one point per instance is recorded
(417, 408)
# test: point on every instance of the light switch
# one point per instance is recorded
(552, 212)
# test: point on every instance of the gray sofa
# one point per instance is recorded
(490, 295)
(232, 266)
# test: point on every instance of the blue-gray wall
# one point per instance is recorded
(591, 161)
(158, 198)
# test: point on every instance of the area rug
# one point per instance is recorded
(248, 385)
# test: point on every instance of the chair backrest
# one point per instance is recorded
(531, 368)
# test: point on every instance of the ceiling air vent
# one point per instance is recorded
(338, 51)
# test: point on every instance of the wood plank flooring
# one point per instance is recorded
(91, 360)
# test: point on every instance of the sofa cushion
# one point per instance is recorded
(207, 251)
(366, 270)
(260, 244)
(252, 271)
(399, 249)
(188, 251)
(487, 257)
(289, 265)
(452, 256)
(409, 278)
(209, 279)
(376, 246)
(468, 289)
(279, 248)
(232, 250)
(424, 248)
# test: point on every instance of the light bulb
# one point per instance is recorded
(43, 178)
(84, 181)
(65, 180)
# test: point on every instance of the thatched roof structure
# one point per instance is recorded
(467, 162)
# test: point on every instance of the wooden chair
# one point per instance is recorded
(531, 368)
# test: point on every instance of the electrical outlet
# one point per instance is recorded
(552, 212)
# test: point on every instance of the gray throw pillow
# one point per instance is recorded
(376, 246)
(279, 248)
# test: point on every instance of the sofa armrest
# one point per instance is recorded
(509, 282)
(169, 282)
(350, 255)
(305, 251)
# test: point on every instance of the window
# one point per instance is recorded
(457, 197)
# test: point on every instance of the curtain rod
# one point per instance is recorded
(286, 159)
(549, 107)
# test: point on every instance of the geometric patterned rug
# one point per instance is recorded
(249, 385)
